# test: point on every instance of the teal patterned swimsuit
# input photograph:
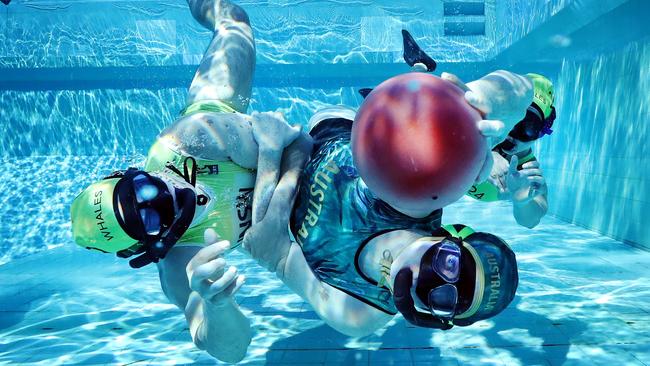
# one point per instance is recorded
(335, 215)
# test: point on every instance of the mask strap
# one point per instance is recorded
(188, 176)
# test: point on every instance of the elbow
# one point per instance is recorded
(231, 350)
(231, 356)
(530, 215)
(529, 221)
(355, 328)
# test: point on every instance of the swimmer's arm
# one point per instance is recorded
(273, 134)
(223, 331)
(268, 242)
(337, 309)
(527, 211)
(501, 96)
(530, 213)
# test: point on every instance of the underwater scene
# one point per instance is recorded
(325, 182)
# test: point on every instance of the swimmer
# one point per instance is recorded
(197, 187)
(516, 174)
(360, 255)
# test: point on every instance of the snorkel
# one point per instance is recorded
(155, 242)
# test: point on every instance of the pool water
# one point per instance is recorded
(85, 86)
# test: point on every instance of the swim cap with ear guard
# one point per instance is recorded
(544, 94)
(496, 277)
(94, 223)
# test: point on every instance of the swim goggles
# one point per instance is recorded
(533, 126)
(439, 271)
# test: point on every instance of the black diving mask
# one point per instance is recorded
(152, 214)
(439, 272)
(534, 125)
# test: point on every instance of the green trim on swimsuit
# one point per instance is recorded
(207, 106)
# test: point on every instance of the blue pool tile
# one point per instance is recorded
(348, 357)
(390, 355)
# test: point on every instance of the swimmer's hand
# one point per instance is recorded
(405, 305)
(525, 184)
(271, 131)
(207, 275)
(498, 174)
(268, 240)
(501, 96)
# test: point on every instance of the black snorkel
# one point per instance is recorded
(155, 247)
(532, 127)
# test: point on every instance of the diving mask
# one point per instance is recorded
(439, 272)
(534, 125)
(154, 213)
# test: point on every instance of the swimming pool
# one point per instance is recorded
(85, 86)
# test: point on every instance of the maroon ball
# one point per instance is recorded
(415, 138)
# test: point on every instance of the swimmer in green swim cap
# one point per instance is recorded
(515, 174)
(196, 187)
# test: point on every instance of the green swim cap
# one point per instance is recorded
(544, 95)
(94, 223)
(496, 278)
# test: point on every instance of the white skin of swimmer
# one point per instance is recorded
(197, 278)
(505, 95)
(526, 188)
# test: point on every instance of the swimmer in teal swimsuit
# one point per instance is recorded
(359, 261)
(368, 257)
(196, 187)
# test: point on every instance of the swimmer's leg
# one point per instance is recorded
(226, 70)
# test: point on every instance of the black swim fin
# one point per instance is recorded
(413, 54)
(6, 2)
(364, 92)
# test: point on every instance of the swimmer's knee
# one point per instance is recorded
(237, 13)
